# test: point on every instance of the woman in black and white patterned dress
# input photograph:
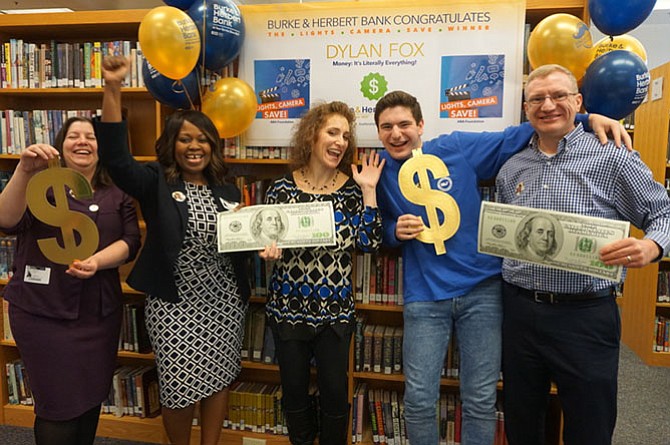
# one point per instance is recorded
(196, 297)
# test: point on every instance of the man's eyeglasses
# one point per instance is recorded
(555, 98)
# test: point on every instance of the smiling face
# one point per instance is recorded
(553, 117)
(192, 152)
(332, 141)
(399, 132)
(80, 147)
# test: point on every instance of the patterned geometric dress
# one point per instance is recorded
(311, 287)
(197, 341)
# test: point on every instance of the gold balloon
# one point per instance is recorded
(170, 41)
(623, 41)
(231, 104)
(562, 39)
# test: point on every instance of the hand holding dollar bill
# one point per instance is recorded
(289, 225)
(560, 240)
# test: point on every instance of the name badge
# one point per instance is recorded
(37, 274)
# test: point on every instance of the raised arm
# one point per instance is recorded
(114, 69)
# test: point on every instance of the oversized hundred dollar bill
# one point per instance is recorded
(560, 240)
(307, 224)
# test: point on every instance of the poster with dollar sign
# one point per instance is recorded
(443, 213)
(47, 199)
(462, 59)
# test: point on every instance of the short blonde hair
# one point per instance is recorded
(545, 70)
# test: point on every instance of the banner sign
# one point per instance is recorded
(461, 59)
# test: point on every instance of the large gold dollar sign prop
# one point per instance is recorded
(434, 232)
(60, 215)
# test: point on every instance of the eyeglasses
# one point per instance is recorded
(555, 98)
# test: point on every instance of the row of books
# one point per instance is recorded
(662, 334)
(21, 128)
(64, 64)
(378, 348)
(256, 407)
(663, 286)
(258, 343)
(385, 410)
(234, 150)
(378, 278)
(134, 392)
(18, 386)
(7, 244)
(134, 336)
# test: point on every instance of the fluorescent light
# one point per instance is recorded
(34, 11)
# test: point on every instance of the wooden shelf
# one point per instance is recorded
(256, 161)
(638, 317)
(378, 307)
(148, 430)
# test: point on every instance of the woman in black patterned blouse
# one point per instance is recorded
(310, 306)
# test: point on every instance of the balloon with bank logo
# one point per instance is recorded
(180, 94)
(615, 84)
(624, 41)
(616, 17)
(170, 41)
(563, 39)
(231, 104)
(221, 31)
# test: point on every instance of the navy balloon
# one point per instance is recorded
(181, 4)
(221, 31)
(615, 84)
(616, 17)
(170, 92)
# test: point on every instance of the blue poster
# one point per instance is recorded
(282, 88)
(472, 86)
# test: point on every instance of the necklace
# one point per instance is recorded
(327, 186)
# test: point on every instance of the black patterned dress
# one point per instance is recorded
(311, 287)
(197, 341)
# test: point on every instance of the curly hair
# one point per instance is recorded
(307, 133)
(398, 99)
(215, 171)
(100, 177)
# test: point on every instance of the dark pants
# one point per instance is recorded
(576, 345)
(331, 353)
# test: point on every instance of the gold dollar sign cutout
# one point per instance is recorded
(434, 232)
(59, 215)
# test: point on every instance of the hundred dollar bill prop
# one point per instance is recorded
(564, 241)
(290, 225)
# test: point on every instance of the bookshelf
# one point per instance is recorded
(640, 305)
(145, 118)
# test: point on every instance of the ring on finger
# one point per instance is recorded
(628, 258)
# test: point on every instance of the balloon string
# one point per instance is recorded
(188, 96)
(203, 34)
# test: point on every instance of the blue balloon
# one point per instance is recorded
(616, 17)
(615, 84)
(179, 94)
(221, 31)
(181, 4)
